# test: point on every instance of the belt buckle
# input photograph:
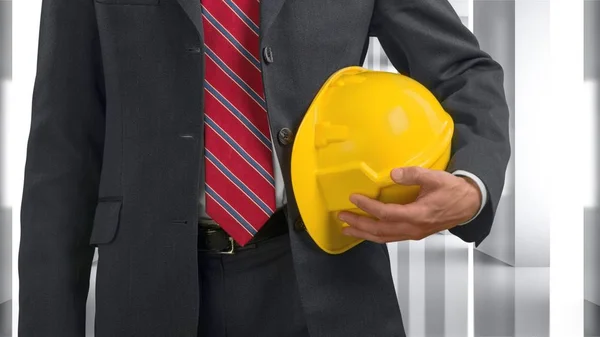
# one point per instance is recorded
(227, 251)
(231, 249)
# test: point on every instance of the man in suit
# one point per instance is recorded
(161, 134)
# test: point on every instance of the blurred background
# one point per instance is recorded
(591, 201)
(5, 210)
(444, 286)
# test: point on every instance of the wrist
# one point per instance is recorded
(473, 197)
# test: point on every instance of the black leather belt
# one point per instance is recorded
(213, 239)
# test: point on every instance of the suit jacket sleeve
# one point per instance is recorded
(426, 40)
(62, 172)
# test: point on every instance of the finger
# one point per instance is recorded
(366, 224)
(357, 233)
(419, 211)
(379, 231)
(416, 211)
(414, 175)
(376, 208)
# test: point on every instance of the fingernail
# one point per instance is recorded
(353, 198)
(345, 232)
(397, 174)
(342, 216)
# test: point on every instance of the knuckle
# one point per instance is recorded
(428, 217)
(435, 179)
(415, 174)
(427, 220)
(359, 203)
(376, 231)
(358, 223)
(414, 169)
(384, 214)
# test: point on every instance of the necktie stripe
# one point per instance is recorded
(239, 104)
(221, 133)
(243, 205)
(227, 222)
(241, 169)
(237, 190)
(230, 210)
(240, 184)
(247, 122)
(243, 16)
(249, 74)
(227, 51)
(237, 100)
(238, 46)
(223, 13)
(236, 79)
(220, 115)
(250, 8)
(237, 164)
(241, 157)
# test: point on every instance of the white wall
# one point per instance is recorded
(464, 10)
(532, 135)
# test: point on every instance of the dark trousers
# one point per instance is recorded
(251, 293)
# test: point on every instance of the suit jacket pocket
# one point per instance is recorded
(130, 2)
(106, 221)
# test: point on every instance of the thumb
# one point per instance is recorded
(413, 175)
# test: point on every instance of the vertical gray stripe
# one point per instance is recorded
(5, 39)
(494, 289)
(435, 285)
(402, 260)
(416, 308)
(457, 286)
(383, 59)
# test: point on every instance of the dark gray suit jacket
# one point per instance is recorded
(115, 155)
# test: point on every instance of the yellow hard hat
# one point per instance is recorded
(360, 126)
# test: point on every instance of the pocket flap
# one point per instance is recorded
(106, 221)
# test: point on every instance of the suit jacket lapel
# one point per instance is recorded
(193, 9)
(268, 12)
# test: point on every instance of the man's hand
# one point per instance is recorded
(444, 201)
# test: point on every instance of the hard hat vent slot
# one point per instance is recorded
(326, 133)
(338, 183)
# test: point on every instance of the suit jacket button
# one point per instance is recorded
(299, 225)
(268, 55)
(285, 136)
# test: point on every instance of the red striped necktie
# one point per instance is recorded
(240, 192)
